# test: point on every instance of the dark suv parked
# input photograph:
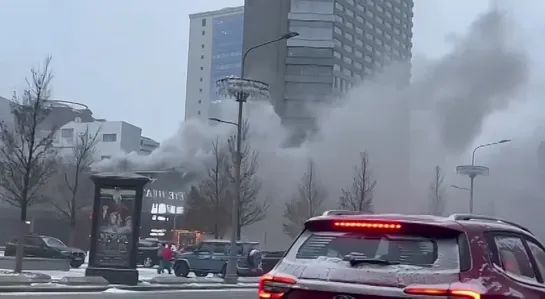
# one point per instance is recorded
(47, 247)
(402, 256)
(210, 256)
(148, 252)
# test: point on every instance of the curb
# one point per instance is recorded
(188, 286)
(137, 288)
(54, 288)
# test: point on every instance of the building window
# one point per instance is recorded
(359, 19)
(202, 46)
(199, 112)
(203, 32)
(200, 89)
(201, 79)
(203, 21)
(109, 137)
(202, 56)
(313, 30)
(105, 157)
(308, 70)
(202, 68)
(200, 101)
(67, 135)
(359, 7)
(358, 53)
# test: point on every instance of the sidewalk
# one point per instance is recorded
(41, 282)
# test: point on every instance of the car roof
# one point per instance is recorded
(459, 222)
(492, 226)
(416, 219)
(227, 241)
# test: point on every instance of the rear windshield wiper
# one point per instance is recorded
(355, 260)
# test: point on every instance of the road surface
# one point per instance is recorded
(189, 294)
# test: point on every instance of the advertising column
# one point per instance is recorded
(115, 230)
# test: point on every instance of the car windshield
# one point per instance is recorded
(359, 249)
(54, 242)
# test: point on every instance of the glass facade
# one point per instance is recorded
(226, 50)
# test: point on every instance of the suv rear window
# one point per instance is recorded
(421, 251)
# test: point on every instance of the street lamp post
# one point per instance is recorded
(473, 170)
(460, 188)
(231, 275)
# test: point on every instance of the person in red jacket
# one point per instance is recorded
(166, 257)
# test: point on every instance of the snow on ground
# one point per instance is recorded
(145, 273)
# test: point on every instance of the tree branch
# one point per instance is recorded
(307, 203)
(359, 197)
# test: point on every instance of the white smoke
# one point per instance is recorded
(406, 131)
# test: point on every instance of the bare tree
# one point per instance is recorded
(27, 154)
(359, 197)
(437, 192)
(74, 179)
(250, 209)
(214, 190)
(307, 202)
(195, 213)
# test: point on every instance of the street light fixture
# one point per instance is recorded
(460, 188)
(231, 275)
(223, 121)
(486, 145)
(473, 170)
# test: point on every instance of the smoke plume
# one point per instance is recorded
(436, 120)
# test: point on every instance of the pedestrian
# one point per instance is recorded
(167, 255)
(160, 255)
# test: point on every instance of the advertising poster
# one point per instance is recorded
(114, 239)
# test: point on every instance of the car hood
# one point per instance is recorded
(71, 249)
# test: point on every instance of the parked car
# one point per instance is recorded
(269, 259)
(401, 256)
(211, 256)
(47, 247)
(148, 252)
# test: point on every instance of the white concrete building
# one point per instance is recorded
(5, 110)
(114, 137)
(215, 52)
(147, 145)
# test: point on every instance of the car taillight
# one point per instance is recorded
(274, 287)
(449, 292)
(366, 224)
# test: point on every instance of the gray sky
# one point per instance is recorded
(126, 59)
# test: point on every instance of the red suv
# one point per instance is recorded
(346, 256)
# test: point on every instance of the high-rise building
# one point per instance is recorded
(215, 52)
(341, 42)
